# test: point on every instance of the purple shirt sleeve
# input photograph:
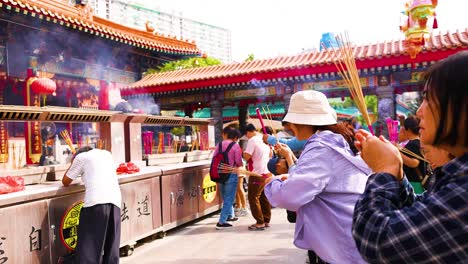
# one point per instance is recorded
(236, 156)
(307, 179)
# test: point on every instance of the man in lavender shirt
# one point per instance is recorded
(325, 182)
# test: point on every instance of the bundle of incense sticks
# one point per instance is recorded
(174, 144)
(169, 141)
(148, 142)
(226, 168)
(412, 154)
(66, 136)
(199, 140)
(270, 119)
(259, 116)
(392, 127)
(78, 143)
(343, 58)
(13, 155)
(195, 139)
(182, 142)
(160, 143)
(20, 156)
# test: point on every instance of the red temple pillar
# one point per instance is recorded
(32, 130)
(104, 95)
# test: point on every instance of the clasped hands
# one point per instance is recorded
(380, 154)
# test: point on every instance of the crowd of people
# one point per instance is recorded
(355, 198)
(358, 198)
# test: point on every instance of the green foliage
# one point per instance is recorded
(251, 57)
(185, 64)
(372, 106)
(414, 105)
(178, 131)
(371, 102)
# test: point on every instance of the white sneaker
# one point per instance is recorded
(237, 212)
(244, 212)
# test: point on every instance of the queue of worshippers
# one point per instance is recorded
(356, 197)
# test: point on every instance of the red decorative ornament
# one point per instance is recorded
(43, 86)
(417, 13)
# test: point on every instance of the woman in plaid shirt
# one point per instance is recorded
(393, 225)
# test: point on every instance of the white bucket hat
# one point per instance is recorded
(310, 108)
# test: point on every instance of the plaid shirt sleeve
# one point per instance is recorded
(392, 225)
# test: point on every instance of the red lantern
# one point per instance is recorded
(43, 86)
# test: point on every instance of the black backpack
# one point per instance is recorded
(221, 158)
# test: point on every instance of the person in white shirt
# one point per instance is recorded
(257, 155)
(99, 228)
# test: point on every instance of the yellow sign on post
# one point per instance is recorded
(209, 189)
(69, 225)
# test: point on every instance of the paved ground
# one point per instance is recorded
(200, 243)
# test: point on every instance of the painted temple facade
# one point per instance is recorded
(84, 57)
(385, 69)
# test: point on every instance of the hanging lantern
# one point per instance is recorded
(417, 13)
(43, 86)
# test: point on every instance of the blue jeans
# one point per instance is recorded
(228, 192)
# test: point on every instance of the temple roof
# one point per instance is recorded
(382, 55)
(275, 111)
(82, 20)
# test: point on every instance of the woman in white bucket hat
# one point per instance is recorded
(324, 184)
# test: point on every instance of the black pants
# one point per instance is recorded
(314, 259)
(99, 234)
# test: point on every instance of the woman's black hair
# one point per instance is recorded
(269, 130)
(411, 123)
(446, 89)
(250, 128)
(347, 133)
(231, 132)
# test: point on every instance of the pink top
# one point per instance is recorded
(234, 155)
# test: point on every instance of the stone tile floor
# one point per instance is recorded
(200, 243)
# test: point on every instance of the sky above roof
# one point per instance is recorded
(271, 28)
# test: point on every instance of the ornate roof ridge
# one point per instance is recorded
(82, 18)
(370, 55)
